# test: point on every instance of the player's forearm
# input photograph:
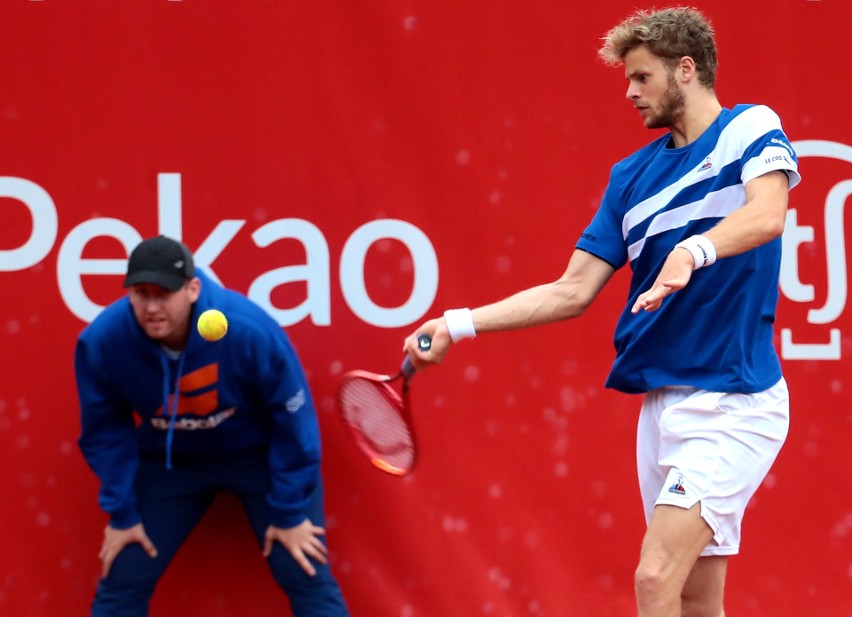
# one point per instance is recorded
(535, 306)
(566, 298)
(744, 230)
(759, 221)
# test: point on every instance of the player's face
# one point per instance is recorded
(164, 315)
(653, 89)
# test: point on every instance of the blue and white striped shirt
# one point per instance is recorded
(715, 334)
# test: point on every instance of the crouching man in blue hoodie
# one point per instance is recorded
(170, 419)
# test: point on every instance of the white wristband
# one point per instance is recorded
(702, 250)
(459, 324)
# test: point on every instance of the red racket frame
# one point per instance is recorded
(399, 404)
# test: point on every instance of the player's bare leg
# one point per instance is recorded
(672, 544)
(704, 590)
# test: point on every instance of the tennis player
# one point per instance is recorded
(698, 215)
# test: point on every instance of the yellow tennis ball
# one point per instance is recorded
(212, 325)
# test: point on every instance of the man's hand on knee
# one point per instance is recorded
(301, 541)
(116, 539)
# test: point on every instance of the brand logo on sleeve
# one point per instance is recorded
(677, 487)
(783, 144)
(297, 401)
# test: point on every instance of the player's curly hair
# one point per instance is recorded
(670, 34)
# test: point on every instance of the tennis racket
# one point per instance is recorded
(379, 417)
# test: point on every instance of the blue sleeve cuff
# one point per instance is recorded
(286, 520)
(123, 519)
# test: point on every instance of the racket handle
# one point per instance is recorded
(424, 343)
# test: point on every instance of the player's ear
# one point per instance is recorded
(193, 288)
(687, 68)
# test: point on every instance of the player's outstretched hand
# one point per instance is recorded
(301, 541)
(675, 275)
(116, 539)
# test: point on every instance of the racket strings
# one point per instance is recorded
(376, 418)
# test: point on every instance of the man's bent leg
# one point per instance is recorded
(672, 544)
(171, 504)
(309, 596)
(127, 591)
(704, 591)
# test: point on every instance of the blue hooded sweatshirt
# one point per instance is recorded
(243, 393)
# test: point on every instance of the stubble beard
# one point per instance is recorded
(671, 107)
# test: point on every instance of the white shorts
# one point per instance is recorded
(710, 447)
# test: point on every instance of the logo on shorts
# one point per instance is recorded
(677, 487)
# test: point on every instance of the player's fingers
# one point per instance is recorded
(647, 306)
(648, 301)
(317, 552)
(149, 547)
(652, 299)
(303, 562)
(267, 546)
(319, 546)
(410, 346)
(641, 302)
(674, 284)
(106, 562)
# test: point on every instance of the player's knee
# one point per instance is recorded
(134, 571)
(697, 604)
(648, 580)
(312, 595)
(290, 576)
(122, 596)
(656, 587)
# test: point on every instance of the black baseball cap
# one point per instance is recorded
(161, 261)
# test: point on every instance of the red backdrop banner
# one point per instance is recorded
(356, 166)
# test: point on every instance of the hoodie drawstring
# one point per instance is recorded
(172, 409)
